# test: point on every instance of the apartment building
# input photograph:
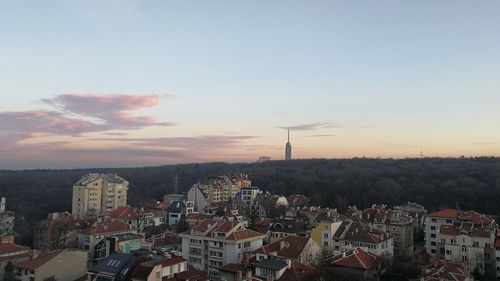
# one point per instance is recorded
(214, 243)
(97, 194)
(298, 248)
(91, 239)
(220, 189)
(395, 223)
(468, 244)
(352, 234)
(434, 221)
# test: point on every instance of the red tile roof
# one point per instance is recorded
(123, 212)
(445, 213)
(39, 261)
(300, 272)
(441, 270)
(107, 228)
(289, 247)
(9, 249)
(244, 234)
(465, 228)
(357, 258)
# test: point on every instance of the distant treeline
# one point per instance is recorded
(470, 183)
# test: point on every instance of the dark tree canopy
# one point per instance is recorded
(470, 183)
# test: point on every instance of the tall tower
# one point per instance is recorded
(288, 148)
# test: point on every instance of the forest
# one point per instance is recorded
(467, 183)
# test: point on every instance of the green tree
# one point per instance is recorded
(182, 225)
(9, 272)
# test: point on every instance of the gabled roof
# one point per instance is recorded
(441, 270)
(359, 232)
(466, 229)
(39, 261)
(107, 228)
(123, 212)
(288, 247)
(275, 264)
(7, 249)
(356, 258)
(300, 272)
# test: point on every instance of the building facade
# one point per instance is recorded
(97, 194)
(214, 243)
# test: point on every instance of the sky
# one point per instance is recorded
(137, 83)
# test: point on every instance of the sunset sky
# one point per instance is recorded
(135, 83)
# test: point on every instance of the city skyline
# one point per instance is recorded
(128, 83)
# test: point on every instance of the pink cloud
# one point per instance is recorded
(113, 109)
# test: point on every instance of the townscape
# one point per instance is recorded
(228, 229)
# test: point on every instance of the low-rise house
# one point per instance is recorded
(62, 265)
(159, 268)
(89, 238)
(165, 242)
(352, 234)
(235, 272)
(177, 209)
(302, 249)
(285, 270)
(136, 218)
(10, 252)
(356, 264)
(285, 228)
(440, 270)
(214, 243)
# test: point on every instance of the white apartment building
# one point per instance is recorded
(97, 194)
(466, 243)
(434, 221)
(215, 243)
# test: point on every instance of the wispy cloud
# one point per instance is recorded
(310, 126)
(487, 143)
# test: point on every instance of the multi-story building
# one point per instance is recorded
(214, 243)
(467, 243)
(220, 189)
(417, 212)
(323, 235)
(97, 194)
(395, 223)
(434, 221)
(352, 234)
(6, 220)
(55, 264)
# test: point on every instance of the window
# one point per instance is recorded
(246, 244)
(325, 243)
(464, 249)
(325, 235)
(448, 221)
(475, 244)
(433, 243)
(433, 235)
(464, 258)
(433, 220)
(433, 227)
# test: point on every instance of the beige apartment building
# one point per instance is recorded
(97, 194)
